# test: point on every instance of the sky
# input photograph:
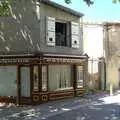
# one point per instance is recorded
(102, 10)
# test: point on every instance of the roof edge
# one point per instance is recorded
(66, 9)
(111, 23)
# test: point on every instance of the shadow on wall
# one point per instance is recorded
(21, 32)
(113, 48)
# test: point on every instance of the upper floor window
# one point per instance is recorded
(62, 33)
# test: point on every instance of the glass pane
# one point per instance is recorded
(8, 81)
(25, 81)
(60, 77)
(44, 78)
(79, 76)
(60, 29)
(54, 77)
(35, 78)
(65, 76)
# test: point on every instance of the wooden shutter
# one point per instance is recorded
(75, 35)
(50, 36)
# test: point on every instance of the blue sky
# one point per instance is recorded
(102, 10)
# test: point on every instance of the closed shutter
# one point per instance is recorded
(50, 30)
(75, 35)
(38, 10)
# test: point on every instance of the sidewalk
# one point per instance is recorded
(51, 108)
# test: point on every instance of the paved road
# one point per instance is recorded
(90, 107)
(106, 108)
(89, 112)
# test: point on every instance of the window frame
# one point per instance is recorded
(71, 81)
(38, 72)
(43, 65)
(68, 32)
(77, 85)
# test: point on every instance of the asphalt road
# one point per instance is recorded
(90, 112)
(106, 109)
(97, 106)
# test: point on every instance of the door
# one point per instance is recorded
(25, 81)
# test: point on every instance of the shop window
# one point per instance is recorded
(80, 75)
(35, 78)
(25, 81)
(8, 81)
(60, 77)
(44, 78)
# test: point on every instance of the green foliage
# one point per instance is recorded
(5, 5)
(115, 1)
(4, 8)
(68, 1)
(88, 2)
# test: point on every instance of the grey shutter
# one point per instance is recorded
(75, 35)
(50, 30)
(37, 9)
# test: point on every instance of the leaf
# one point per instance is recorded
(68, 1)
(4, 8)
(89, 2)
(114, 1)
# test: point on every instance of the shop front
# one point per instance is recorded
(36, 79)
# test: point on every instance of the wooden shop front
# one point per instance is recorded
(36, 79)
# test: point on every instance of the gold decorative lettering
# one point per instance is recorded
(2, 61)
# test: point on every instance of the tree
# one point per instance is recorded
(115, 1)
(89, 2)
(5, 5)
(4, 8)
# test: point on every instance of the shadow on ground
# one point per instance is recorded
(89, 107)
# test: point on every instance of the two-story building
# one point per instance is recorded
(41, 53)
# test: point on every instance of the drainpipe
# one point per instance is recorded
(104, 75)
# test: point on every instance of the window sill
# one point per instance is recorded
(80, 87)
(67, 88)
